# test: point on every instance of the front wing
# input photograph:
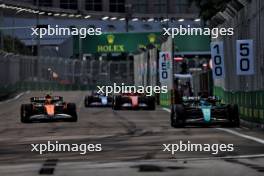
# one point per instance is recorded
(214, 115)
(128, 103)
(47, 117)
(99, 101)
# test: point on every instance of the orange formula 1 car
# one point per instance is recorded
(48, 108)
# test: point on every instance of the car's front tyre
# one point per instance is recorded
(151, 103)
(233, 113)
(86, 101)
(25, 113)
(71, 109)
(115, 103)
(176, 116)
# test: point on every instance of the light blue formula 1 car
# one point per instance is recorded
(204, 111)
(97, 100)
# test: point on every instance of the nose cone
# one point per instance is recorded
(50, 109)
(103, 100)
(206, 110)
(134, 100)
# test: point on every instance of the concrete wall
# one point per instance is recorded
(246, 91)
(247, 24)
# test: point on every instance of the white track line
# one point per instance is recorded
(166, 109)
(53, 138)
(261, 141)
(153, 161)
(223, 157)
(258, 140)
(15, 98)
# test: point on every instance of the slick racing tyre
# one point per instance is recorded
(116, 103)
(71, 108)
(177, 112)
(87, 101)
(25, 113)
(233, 114)
(151, 103)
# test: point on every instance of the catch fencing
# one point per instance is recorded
(51, 73)
(145, 68)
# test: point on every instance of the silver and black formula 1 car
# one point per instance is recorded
(133, 101)
(97, 100)
(209, 111)
(48, 108)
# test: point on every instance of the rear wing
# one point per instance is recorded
(198, 99)
(183, 76)
(43, 99)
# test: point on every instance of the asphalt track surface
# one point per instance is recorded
(132, 143)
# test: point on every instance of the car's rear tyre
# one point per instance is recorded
(151, 103)
(25, 113)
(234, 116)
(116, 103)
(87, 101)
(71, 108)
(177, 120)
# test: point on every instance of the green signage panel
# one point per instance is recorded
(116, 42)
(192, 43)
(131, 42)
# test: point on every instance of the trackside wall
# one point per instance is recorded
(246, 91)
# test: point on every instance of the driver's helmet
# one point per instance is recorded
(48, 99)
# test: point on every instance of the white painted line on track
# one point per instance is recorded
(261, 141)
(15, 98)
(223, 157)
(243, 127)
(45, 138)
(95, 165)
(53, 138)
(19, 95)
(258, 140)
(166, 109)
